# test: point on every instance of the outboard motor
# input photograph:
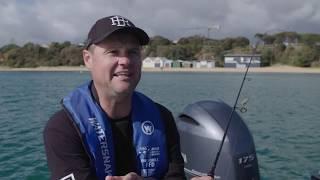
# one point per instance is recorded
(201, 126)
(315, 175)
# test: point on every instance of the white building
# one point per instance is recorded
(156, 62)
(241, 60)
(159, 62)
(148, 63)
(204, 64)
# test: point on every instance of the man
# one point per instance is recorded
(107, 130)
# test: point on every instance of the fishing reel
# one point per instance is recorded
(242, 107)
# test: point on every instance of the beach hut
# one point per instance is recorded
(205, 64)
(157, 62)
(167, 63)
(177, 63)
(211, 64)
(148, 62)
(187, 64)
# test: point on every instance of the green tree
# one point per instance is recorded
(8, 47)
(26, 56)
(310, 39)
(180, 52)
(288, 37)
(71, 56)
(199, 40)
(240, 42)
(303, 57)
(151, 48)
(266, 57)
(226, 44)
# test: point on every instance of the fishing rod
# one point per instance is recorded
(212, 171)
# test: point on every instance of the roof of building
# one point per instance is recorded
(243, 55)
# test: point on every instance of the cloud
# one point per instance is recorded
(44, 21)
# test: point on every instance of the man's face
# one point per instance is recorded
(115, 64)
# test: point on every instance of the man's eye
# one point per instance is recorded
(134, 52)
(112, 52)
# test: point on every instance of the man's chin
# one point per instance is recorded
(124, 87)
(124, 90)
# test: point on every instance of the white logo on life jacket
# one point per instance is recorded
(119, 21)
(147, 127)
(68, 177)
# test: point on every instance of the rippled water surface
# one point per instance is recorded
(283, 115)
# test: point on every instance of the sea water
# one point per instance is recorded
(283, 115)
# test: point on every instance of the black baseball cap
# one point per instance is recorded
(108, 25)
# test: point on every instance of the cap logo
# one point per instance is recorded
(119, 21)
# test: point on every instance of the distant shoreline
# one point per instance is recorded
(273, 69)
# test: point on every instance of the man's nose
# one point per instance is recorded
(124, 60)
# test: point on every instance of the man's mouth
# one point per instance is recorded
(124, 74)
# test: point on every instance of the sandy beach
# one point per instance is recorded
(273, 69)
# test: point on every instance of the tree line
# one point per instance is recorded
(288, 48)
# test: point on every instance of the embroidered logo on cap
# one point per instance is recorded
(147, 127)
(119, 21)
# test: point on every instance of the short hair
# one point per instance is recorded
(91, 48)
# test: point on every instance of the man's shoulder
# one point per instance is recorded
(162, 108)
(166, 116)
(59, 121)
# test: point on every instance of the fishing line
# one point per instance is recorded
(212, 171)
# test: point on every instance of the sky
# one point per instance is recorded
(45, 21)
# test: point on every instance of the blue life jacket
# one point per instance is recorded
(149, 136)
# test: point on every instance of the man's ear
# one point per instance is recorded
(87, 58)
